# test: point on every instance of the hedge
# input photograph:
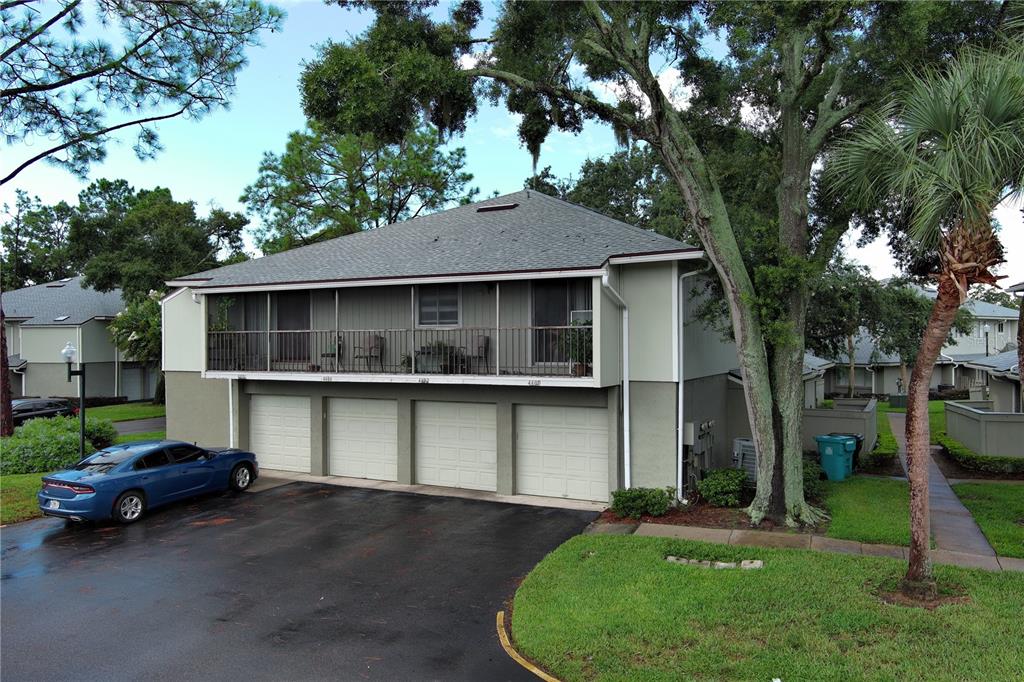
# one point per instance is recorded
(51, 444)
(969, 459)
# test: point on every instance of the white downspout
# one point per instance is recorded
(872, 372)
(626, 452)
(231, 413)
(680, 380)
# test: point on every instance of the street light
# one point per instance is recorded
(69, 357)
(987, 329)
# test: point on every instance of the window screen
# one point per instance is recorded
(439, 305)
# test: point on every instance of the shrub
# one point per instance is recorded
(969, 459)
(42, 445)
(814, 487)
(723, 487)
(637, 502)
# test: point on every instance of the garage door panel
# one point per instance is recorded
(363, 438)
(562, 452)
(456, 445)
(279, 432)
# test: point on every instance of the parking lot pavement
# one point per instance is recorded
(301, 581)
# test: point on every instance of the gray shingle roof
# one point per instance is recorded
(44, 304)
(1003, 362)
(980, 308)
(540, 233)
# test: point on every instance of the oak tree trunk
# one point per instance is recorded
(918, 581)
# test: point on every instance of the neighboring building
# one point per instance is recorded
(1000, 378)
(994, 330)
(42, 319)
(481, 347)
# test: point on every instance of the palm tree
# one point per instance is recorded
(948, 149)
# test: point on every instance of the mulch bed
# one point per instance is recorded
(892, 468)
(951, 468)
(702, 514)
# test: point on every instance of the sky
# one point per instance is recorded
(211, 160)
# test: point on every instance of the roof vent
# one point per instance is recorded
(66, 279)
(496, 207)
(61, 318)
(54, 285)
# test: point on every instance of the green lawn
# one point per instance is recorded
(127, 411)
(936, 417)
(146, 435)
(999, 510)
(18, 497)
(611, 608)
(866, 509)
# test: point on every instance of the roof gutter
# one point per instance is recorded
(627, 461)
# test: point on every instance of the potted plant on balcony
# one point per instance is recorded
(577, 344)
(438, 357)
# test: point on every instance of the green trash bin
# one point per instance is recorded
(836, 455)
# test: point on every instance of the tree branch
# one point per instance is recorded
(90, 136)
(595, 106)
(42, 29)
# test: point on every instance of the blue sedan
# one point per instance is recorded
(123, 481)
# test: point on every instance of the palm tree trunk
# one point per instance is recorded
(1020, 352)
(919, 581)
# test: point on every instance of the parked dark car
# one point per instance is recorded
(123, 481)
(24, 409)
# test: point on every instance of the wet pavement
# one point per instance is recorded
(302, 581)
(142, 425)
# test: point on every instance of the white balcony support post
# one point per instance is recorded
(268, 331)
(337, 334)
(497, 329)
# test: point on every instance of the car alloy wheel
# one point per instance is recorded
(131, 507)
(242, 477)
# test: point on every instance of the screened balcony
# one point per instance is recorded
(506, 329)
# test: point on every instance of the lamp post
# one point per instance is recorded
(69, 357)
(987, 329)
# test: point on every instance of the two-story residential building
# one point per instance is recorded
(40, 320)
(521, 345)
(993, 330)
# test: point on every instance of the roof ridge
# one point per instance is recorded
(581, 207)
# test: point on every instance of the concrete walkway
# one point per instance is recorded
(817, 543)
(142, 425)
(953, 527)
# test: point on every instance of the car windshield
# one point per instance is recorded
(105, 460)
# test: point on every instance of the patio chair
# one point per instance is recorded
(372, 349)
(478, 351)
(335, 355)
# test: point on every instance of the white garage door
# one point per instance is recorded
(279, 432)
(456, 445)
(363, 438)
(562, 452)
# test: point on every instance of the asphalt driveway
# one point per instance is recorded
(303, 581)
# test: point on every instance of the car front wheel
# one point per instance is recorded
(129, 507)
(241, 477)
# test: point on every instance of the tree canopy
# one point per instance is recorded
(64, 65)
(35, 242)
(136, 240)
(328, 184)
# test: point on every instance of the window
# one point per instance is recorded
(439, 305)
(557, 304)
(153, 460)
(182, 454)
(1000, 327)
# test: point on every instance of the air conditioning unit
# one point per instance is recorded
(745, 457)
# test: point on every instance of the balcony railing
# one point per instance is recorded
(516, 351)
